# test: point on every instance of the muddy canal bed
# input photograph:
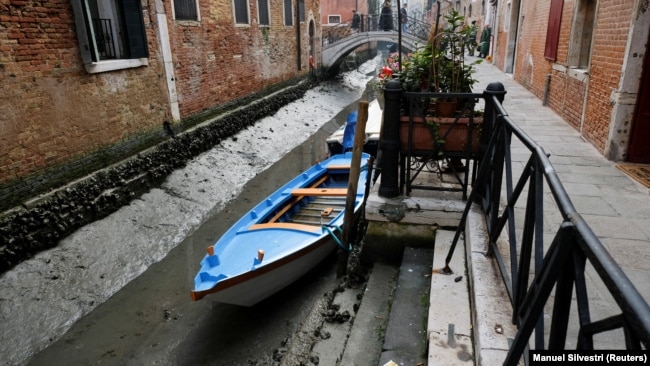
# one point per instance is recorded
(116, 292)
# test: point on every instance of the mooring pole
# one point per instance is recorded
(353, 182)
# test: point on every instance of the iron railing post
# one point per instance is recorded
(388, 186)
(494, 90)
(497, 90)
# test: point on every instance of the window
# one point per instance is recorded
(288, 13)
(263, 12)
(334, 19)
(582, 34)
(241, 11)
(111, 34)
(186, 10)
(301, 10)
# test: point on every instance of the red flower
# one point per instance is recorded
(386, 72)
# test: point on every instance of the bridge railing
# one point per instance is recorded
(370, 23)
(548, 257)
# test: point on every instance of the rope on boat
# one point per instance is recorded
(328, 228)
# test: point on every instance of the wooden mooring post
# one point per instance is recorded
(355, 170)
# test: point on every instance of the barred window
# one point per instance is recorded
(110, 30)
(333, 19)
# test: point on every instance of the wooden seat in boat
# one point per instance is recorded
(338, 192)
(287, 226)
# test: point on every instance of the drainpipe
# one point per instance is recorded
(298, 43)
(547, 85)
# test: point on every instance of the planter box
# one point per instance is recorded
(455, 136)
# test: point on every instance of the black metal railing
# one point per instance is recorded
(103, 30)
(426, 138)
(574, 260)
(370, 23)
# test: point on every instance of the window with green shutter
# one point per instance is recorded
(110, 31)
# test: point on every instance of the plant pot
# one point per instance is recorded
(446, 108)
(455, 136)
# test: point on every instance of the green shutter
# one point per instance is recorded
(136, 38)
(90, 32)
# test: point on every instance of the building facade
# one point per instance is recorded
(585, 59)
(88, 82)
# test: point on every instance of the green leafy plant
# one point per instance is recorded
(416, 72)
(450, 73)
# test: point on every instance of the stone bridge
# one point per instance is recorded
(340, 40)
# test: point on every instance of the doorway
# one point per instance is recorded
(639, 147)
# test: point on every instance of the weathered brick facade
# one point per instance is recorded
(59, 121)
(587, 98)
(216, 61)
(53, 111)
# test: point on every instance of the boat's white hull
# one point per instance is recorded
(255, 286)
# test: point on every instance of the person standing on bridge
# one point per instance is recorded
(355, 21)
(386, 17)
(405, 17)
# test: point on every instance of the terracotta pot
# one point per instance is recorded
(455, 136)
(446, 108)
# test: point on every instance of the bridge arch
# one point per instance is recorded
(334, 52)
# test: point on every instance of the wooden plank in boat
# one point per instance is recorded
(287, 226)
(338, 192)
(338, 167)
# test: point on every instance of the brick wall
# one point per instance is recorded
(53, 111)
(609, 47)
(567, 95)
(531, 67)
(217, 61)
(59, 122)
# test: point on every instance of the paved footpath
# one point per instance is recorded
(615, 206)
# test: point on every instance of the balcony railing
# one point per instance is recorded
(544, 270)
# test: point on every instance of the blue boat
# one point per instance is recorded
(282, 237)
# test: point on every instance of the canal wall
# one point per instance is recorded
(41, 222)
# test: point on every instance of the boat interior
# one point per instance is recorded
(316, 205)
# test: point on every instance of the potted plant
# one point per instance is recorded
(390, 70)
(415, 75)
(442, 61)
(449, 71)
